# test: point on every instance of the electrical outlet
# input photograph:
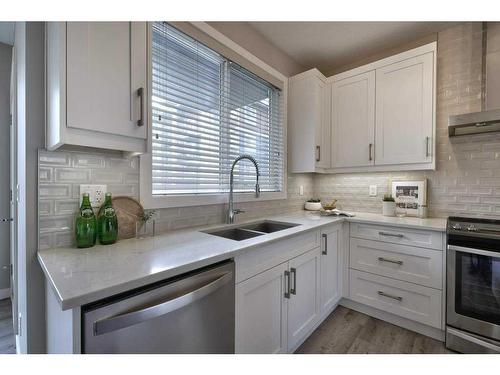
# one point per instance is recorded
(96, 194)
(301, 190)
(373, 191)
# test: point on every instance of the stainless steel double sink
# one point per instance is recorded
(246, 231)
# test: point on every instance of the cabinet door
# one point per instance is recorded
(308, 123)
(323, 133)
(304, 305)
(106, 65)
(261, 318)
(330, 271)
(353, 119)
(404, 122)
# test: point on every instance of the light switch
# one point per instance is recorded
(373, 191)
(301, 190)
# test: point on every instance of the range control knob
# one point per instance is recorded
(472, 228)
(456, 226)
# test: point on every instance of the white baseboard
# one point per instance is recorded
(4, 293)
(394, 319)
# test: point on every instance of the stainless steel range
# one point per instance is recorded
(473, 285)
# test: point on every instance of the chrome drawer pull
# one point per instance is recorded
(293, 271)
(398, 235)
(400, 262)
(397, 298)
(287, 283)
(325, 249)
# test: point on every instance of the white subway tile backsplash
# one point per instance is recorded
(58, 203)
(72, 175)
(87, 160)
(54, 191)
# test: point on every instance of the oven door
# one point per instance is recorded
(473, 290)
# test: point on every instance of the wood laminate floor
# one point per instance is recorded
(7, 340)
(348, 331)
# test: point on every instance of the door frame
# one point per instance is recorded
(14, 188)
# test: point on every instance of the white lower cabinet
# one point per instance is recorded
(278, 308)
(411, 301)
(303, 304)
(331, 274)
(261, 315)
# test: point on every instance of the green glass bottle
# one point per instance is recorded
(86, 224)
(107, 223)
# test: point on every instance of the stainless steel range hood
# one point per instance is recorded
(488, 119)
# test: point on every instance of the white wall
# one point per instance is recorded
(5, 68)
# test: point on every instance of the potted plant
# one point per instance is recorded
(313, 204)
(145, 225)
(388, 205)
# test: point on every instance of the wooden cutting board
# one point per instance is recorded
(128, 212)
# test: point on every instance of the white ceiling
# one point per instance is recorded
(7, 33)
(330, 45)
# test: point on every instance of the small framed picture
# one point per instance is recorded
(410, 195)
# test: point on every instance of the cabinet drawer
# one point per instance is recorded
(406, 263)
(262, 258)
(410, 301)
(403, 236)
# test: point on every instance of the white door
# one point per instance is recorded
(323, 127)
(330, 270)
(106, 69)
(353, 121)
(261, 318)
(304, 305)
(404, 121)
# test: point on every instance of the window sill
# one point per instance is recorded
(152, 202)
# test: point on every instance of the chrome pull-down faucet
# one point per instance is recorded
(231, 212)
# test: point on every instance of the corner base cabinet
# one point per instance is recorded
(96, 84)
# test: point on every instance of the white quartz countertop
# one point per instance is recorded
(81, 276)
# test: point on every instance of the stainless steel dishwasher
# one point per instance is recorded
(192, 313)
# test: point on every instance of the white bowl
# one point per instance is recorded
(313, 206)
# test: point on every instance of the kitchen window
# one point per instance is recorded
(206, 111)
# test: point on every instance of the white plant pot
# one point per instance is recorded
(389, 208)
(313, 206)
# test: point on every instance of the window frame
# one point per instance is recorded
(151, 201)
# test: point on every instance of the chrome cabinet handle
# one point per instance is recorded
(370, 147)
(400, 262)
(140, 93)
(427, 153)
(135, 317)
(318, 153)
(287, 284)
(325, 249)
(294, 272)
(398, 235)
(397, 298)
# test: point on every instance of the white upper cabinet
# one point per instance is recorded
(97, 85)
(353, 120)
(404, 122)
(377, 117)
(309, 122)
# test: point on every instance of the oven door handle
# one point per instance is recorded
(474, 251)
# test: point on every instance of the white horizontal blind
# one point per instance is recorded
(207, 111)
